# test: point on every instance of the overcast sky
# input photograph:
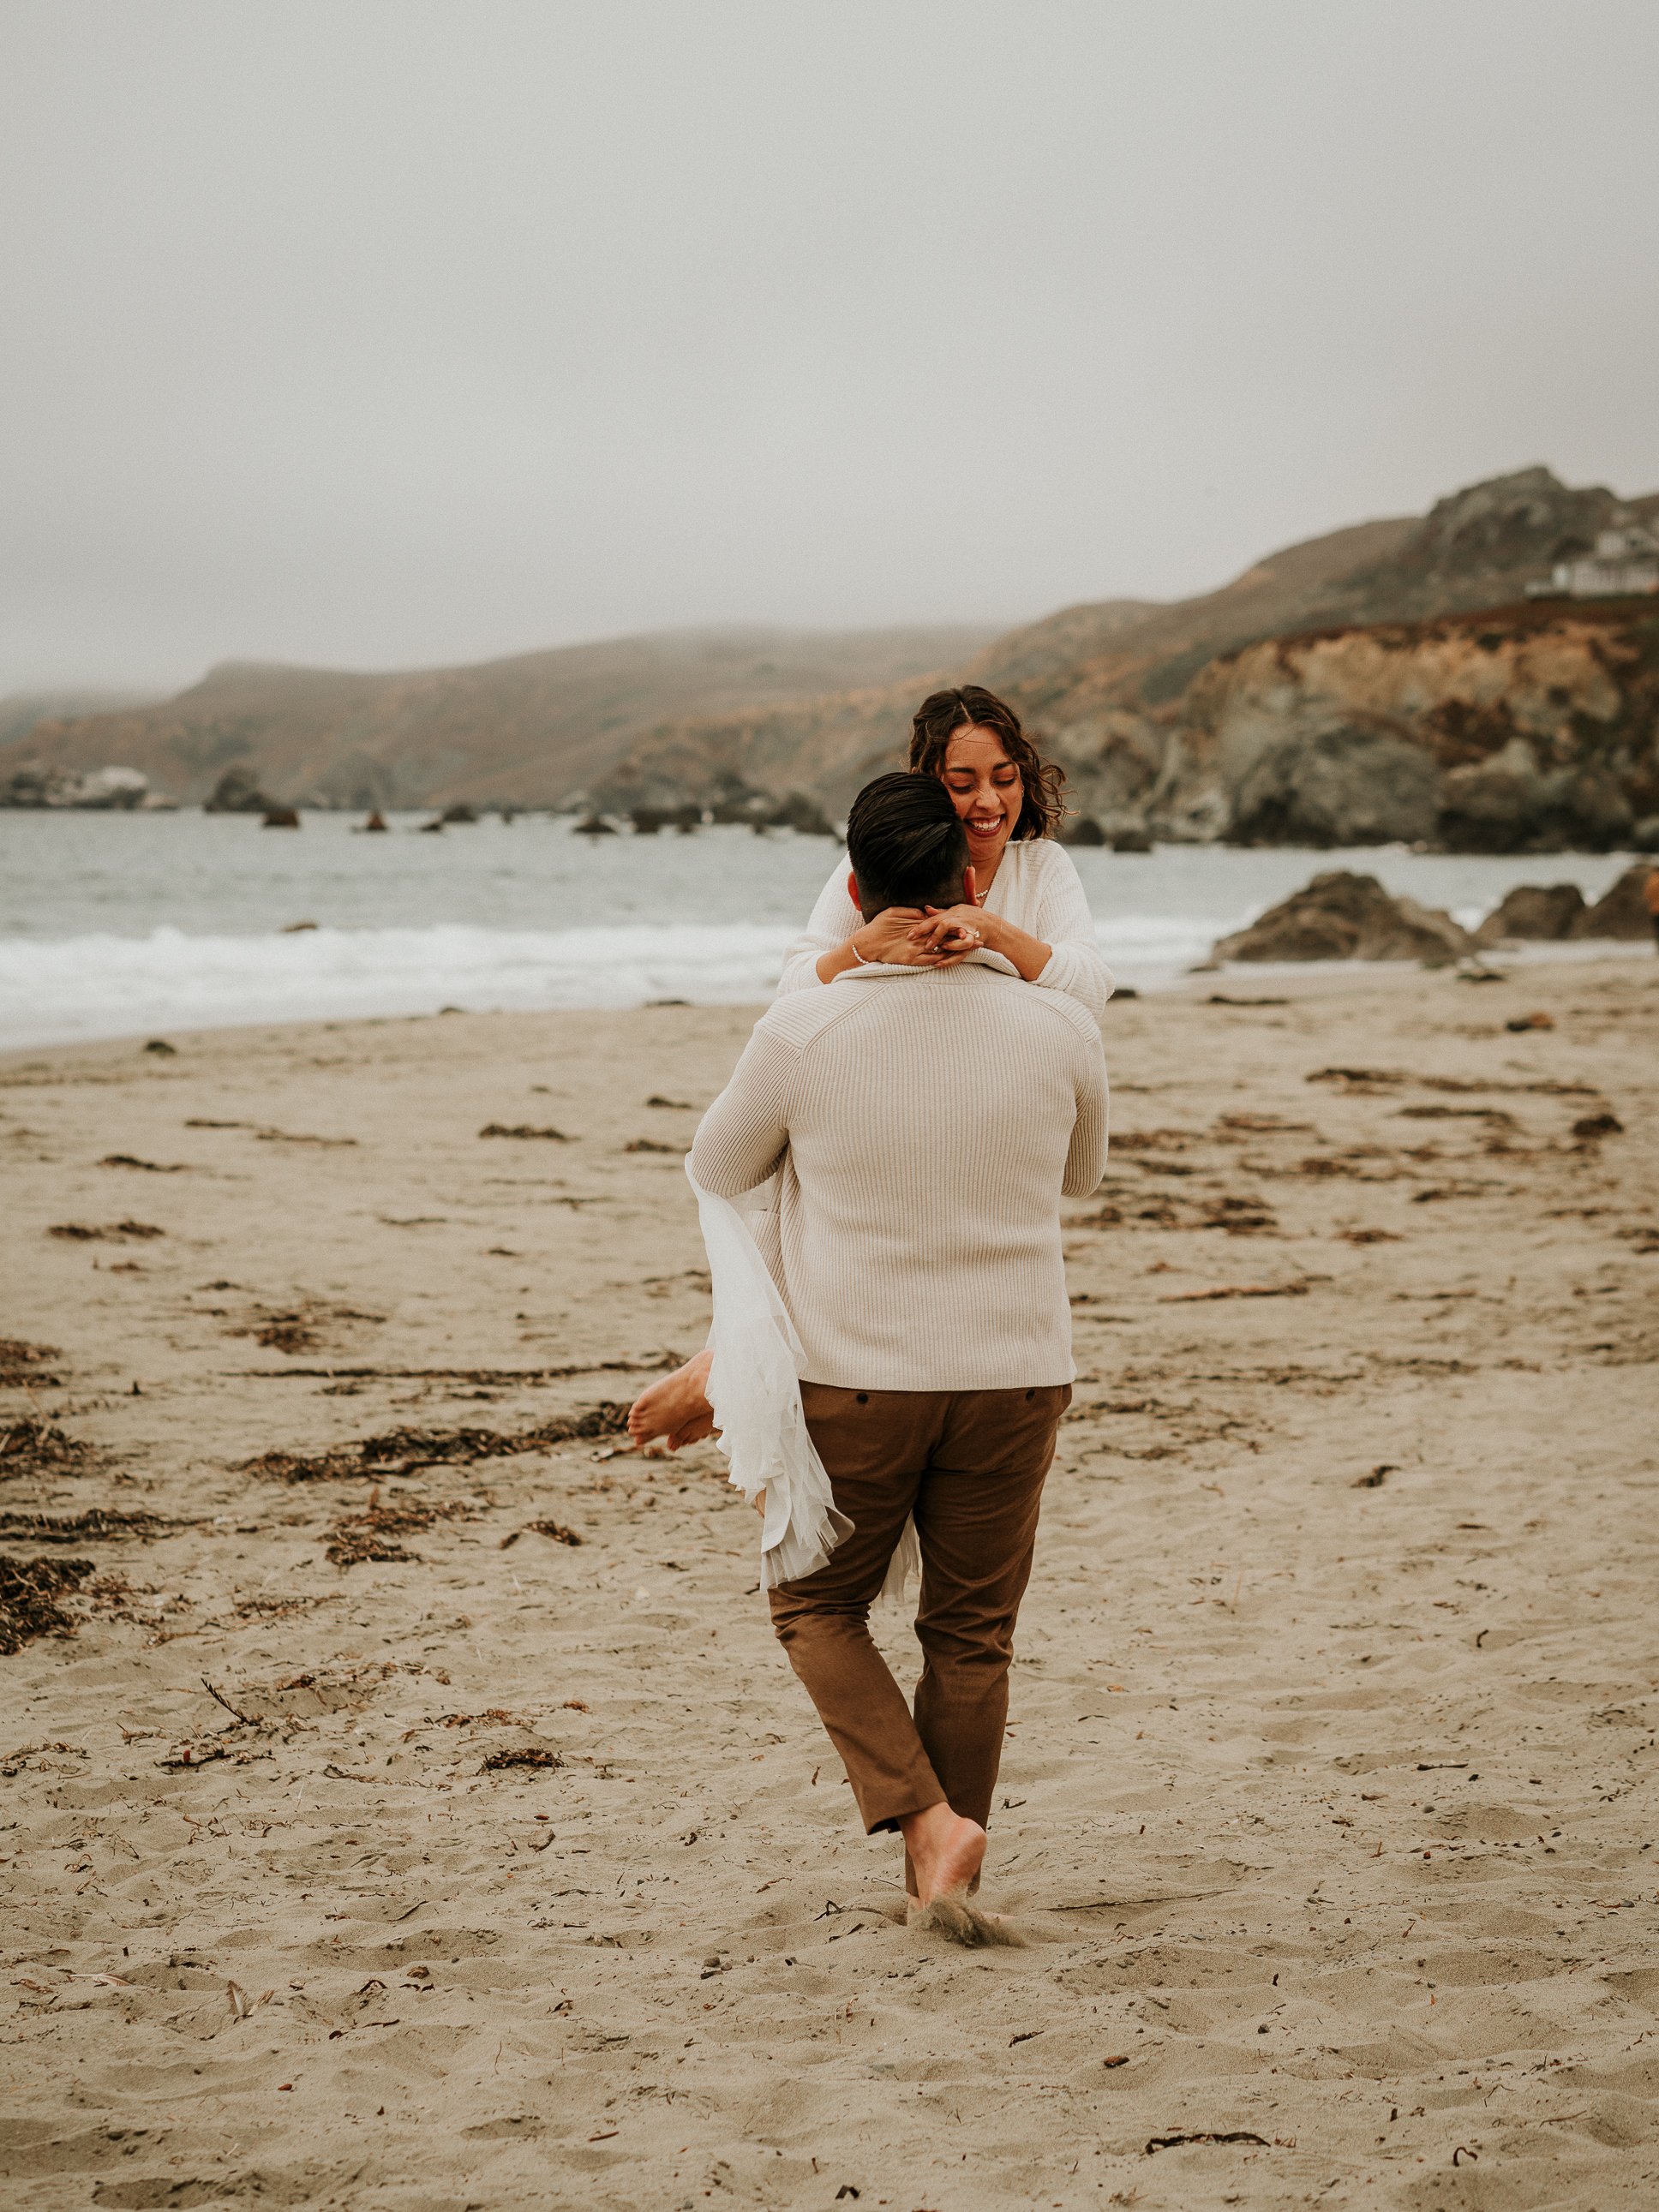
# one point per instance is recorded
(384, 332)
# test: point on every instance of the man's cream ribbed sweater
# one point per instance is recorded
(923, 1124)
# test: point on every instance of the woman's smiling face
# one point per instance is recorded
(987, 792)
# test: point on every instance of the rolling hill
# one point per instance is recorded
(528, 730)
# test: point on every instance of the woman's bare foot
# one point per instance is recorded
(946, 1850)
(675, 1411)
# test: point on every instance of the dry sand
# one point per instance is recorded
(1326, 1808)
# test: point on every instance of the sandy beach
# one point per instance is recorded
(421, 1815)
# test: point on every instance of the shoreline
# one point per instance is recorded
(521, 1871)
(1511, 961)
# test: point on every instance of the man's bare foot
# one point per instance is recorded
(945, 1853)
(675, 1411)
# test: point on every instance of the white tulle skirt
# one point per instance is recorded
(754, 1387)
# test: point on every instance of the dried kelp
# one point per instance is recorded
(29, 1591)
(373, 1532)
(89, 1232)
(32, 1446)
(22, 1366)
(95, 1526)
(403, 1450)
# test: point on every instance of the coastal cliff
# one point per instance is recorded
(1527, 728)
(1390, 681)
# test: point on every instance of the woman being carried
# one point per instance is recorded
(1029, 912)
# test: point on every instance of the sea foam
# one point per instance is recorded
(54, 991)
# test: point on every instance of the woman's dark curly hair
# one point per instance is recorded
(968, 706)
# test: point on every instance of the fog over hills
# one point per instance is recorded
(529, 730)
(1373, 716)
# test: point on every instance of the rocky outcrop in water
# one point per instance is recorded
(1343, 916)
(237, 792)
(104, 790)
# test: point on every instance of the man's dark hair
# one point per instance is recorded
(907, 844)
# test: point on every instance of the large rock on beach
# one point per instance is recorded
(1623, 911)
(1536, 912)
(1343, 916)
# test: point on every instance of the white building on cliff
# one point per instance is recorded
(1625, 560)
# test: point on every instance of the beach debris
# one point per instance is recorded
(98, 1525)
(299, 1329)
(1206, 2136)
(295, 928)
(373, 1532)
(1223, 999)
(402, 1450)
(647, 1363)
(22, 1365)
(678, 1105)
(556, 1532)
(201, 1752)
(146, 1167)
(29, 1594)
(1239, 1217)
(524, 1130)
(161, 1049)
(1594, 1126)
(537, 1754)
(1340, 915)
(32, 1446)
(1523, 1022)
(290, 1137)
(86, 1232)
(1376, 1479)
(1362, 1079)
(650, 1145)
(1235, 1290)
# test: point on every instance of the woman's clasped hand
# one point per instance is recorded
(917, 936)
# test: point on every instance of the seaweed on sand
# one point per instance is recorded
(32, 1446)
(372, 1534)
(22, 1366)
(29, 1591)
(402, 1450)
(96, 1526)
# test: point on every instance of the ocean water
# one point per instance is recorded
(129, 925)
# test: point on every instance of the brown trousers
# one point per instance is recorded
(970, 1464)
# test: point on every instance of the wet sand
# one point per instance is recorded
(498, 1868)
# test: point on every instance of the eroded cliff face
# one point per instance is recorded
(1345, 689)
(1534, 726)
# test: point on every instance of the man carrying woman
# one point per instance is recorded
(916, 1124)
